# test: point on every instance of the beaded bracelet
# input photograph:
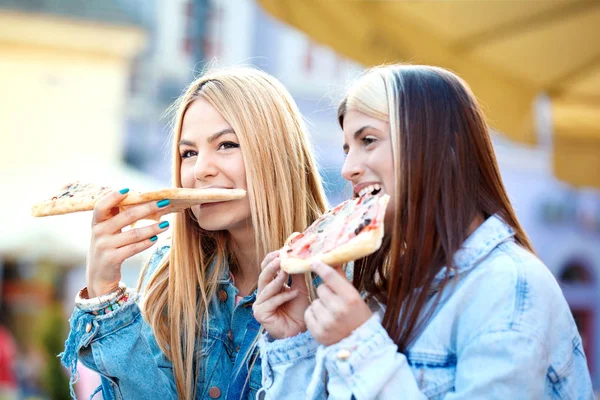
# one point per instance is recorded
(114, 306)
(83, 302)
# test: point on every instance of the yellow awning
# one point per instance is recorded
(508, 51)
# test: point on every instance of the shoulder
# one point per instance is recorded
(511, 289)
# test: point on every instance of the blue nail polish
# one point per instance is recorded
(123, 191)
(163, 203)
(153, 238)
(163, 224)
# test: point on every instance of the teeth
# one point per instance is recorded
(369, 189)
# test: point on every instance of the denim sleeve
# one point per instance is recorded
(503, 364)
(367, 365)
(111, 344)
(287, 366)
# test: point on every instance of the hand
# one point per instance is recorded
(110, 246)
(278, 307)
(338, 311)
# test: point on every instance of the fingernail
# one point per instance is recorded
(163, 203)
(163, 224)
(123, 191)
(153, 238)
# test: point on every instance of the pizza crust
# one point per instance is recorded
(180, 199)
(359, 246)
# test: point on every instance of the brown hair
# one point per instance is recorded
(446, 175)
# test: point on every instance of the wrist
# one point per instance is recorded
(99, 290)
(84, 300)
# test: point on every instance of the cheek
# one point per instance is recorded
(187, 176)
(382, 163)
(238, 172)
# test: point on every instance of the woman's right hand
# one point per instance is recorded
(278, 307)
(110, 246)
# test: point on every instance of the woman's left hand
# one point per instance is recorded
(338, 311)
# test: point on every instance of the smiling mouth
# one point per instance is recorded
(371, 189)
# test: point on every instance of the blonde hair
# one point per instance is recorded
(280, 173)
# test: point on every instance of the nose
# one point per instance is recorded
(353, 167)
(204, 168)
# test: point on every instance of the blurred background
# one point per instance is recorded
(84, 86)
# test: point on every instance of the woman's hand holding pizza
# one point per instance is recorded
(338, 311)
(110, 246)
(278, 307)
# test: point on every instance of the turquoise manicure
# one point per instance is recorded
(163, 224)
(163, 203)
(123, 191)
(153, 238)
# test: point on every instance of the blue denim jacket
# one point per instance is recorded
(502, 330)
(121, 347)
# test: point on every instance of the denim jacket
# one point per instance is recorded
(502, 330)
(122, 348)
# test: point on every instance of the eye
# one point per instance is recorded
(228, 145)
(367, 140)
(188, 154)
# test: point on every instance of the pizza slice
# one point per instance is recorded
(351, 230)
(79, 196)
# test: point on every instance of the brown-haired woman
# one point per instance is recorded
(455, 304)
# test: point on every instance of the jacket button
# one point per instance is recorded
(214, 392)
(230, 335)
(223, 295)
(88, 327)
(343, 354)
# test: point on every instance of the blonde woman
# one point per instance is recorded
(190, 332)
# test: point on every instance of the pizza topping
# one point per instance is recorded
(337, 226)
(81, 190)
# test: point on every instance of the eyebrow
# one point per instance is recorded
(357, 134)
(210, 139)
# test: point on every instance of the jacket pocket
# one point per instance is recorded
(435, 373)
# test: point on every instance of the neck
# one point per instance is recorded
(478, 220)
(248, 265)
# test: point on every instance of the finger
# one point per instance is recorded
(103, 209)
(321, 312)
(336, 282)
(267, 274)
(328, 298)
(139, 234)
(310, 320)
(274, 287)
(136, 213)
(125, 252)
(313, 324)
(268, 258)
(272, 304)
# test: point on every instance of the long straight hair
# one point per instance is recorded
(445, 174)
(280, 173)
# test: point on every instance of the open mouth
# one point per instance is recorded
(371, 189)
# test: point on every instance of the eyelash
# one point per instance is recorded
(222, 146)
(186, 154)
(231, 145)
(368, 140)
